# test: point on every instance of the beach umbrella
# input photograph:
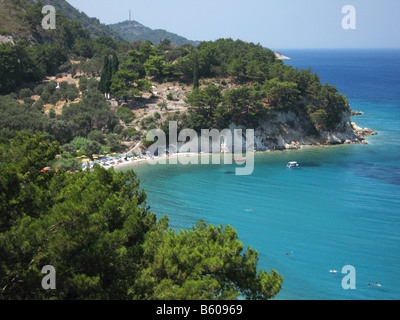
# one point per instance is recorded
(84, 165)
(117, 157)
(131, 155)
(140, 153)
(148, 152)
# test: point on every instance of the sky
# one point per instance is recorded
(277, 24)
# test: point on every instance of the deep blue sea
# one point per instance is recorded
(342, 207)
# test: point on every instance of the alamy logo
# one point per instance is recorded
(49, 21)
(211, 143)
(349, 20)
(349, 281)
(49, 281)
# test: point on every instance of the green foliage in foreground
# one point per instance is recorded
(97, 231)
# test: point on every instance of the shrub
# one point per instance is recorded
(38, 105)
(118, 129)
(45, 97)
(79, 143)
(25, 93)
(66, 164)
(97, 136)
(54, 99)
(131, 133)
(39, 89)
(52, 113)
(125, 114)
(320, 119)
(83, 83)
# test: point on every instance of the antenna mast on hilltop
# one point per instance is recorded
(129, 15)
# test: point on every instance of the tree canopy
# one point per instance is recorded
(97, 231)
(95, 227)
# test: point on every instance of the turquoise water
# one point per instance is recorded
(342, 207)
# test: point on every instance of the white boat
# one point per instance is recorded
(292, 164)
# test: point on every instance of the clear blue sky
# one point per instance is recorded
(276, 24)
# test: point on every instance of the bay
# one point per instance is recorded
(341, 207)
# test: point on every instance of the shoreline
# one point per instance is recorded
(118, 161)
(357, 136)
(156, 160)
(127, 164)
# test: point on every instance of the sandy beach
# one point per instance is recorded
(166, 159)
(123, 164)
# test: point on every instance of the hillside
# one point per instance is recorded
(17, 22)
(10, 15)
(95, 28)
(133, 31)
(13, 24)
(216, 84)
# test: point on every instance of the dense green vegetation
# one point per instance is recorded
(91, 113)
(233, 82)
(95, 227)
(26, 63)
(261, 84)
(258, 83)
(97, 231)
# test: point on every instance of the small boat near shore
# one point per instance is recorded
(240, 161)
(292, 164)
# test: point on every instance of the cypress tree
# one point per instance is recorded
(196, 72)
(115, 64)
(105, 77)
(109, 76)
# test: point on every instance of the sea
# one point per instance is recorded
(331, 227)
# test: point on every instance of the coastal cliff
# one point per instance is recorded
(285, 130)
(280, 56)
